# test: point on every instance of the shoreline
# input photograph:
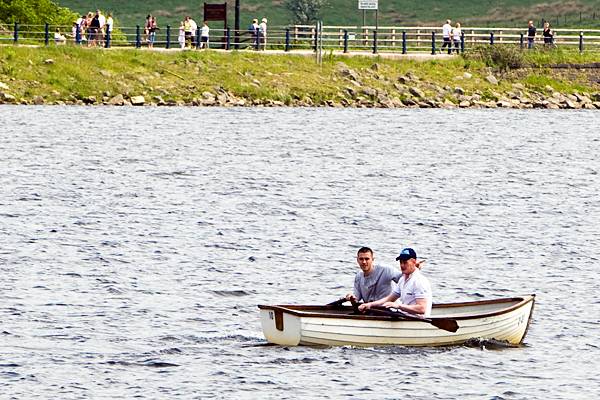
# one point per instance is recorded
(60, 75)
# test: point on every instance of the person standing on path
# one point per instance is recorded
(530, 35)
(204, 32)
(446, 35)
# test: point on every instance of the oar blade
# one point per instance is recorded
(446, 324)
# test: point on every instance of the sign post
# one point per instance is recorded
(369, 5)
(216, 12)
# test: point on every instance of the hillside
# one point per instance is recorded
(345, 12)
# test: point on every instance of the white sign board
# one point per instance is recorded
(367, 4)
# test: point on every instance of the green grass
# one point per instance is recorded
(506, 13)
(182, 76)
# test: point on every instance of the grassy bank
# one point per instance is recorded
(57, 75)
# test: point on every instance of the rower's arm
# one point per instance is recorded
(419, 308)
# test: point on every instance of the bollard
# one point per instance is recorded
(345, 40)
(403, 42)
(197, 38)
(78, 35)
(462, 42)
(581, 42)
(316, 44)
(16, 32)
(46, 34)
(492, 38)
(521, 41)
(287, 39)
(375, 41)
(228, 39)
(168, 44)
(138, 37)
(433, 43)
(108, 34)
(256, 39)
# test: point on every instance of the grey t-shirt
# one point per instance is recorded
(377, 285)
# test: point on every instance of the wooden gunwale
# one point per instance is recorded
(316, 311)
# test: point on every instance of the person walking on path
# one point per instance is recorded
(446, 35)
(530, 35)
(262, 33)
(204, 32)
(456, 34)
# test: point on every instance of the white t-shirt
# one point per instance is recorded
(193, 27)
(204, 31)
(456, 32)
(446, 29)
(416, 287)
(101, 20)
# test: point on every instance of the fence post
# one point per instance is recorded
(316, 36)
(138, 37)
(345, 40)
(197, 37)
(521, 41)
(462, 42)
(581, 42)
(433, 43)
(16, 32)
(228, 44)
(46, 34)
(287, 39)
(375, 41)
(256, 39)
(168, 44)
(78, 35)
(492, 38)
(403, 42)
(108, 34)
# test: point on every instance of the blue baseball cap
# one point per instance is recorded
(406, 254)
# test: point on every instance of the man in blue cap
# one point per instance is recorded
(373, 281)
(413, 289)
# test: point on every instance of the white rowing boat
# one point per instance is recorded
(505, 319)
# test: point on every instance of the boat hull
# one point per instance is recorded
(502, 320)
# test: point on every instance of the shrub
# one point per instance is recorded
(496, 56)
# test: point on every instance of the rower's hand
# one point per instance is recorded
(350, 297)
(390, 304)
(364, 307)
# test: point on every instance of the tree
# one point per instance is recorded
(35, 12)
(305, 11)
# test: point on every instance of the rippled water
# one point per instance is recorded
(135, 245)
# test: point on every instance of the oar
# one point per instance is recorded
(447, 324)
(337, 303)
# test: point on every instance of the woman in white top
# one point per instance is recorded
(456, 34)
(262, 33)
(204, 35)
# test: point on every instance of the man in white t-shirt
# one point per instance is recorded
(446, 35)
(413, 289)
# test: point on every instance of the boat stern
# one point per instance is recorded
(279, 327)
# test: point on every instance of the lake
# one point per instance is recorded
(136, 244)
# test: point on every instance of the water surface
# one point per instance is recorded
(136, 244)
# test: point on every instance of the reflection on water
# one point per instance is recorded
(136, 244)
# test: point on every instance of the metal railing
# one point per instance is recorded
(401, 39)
